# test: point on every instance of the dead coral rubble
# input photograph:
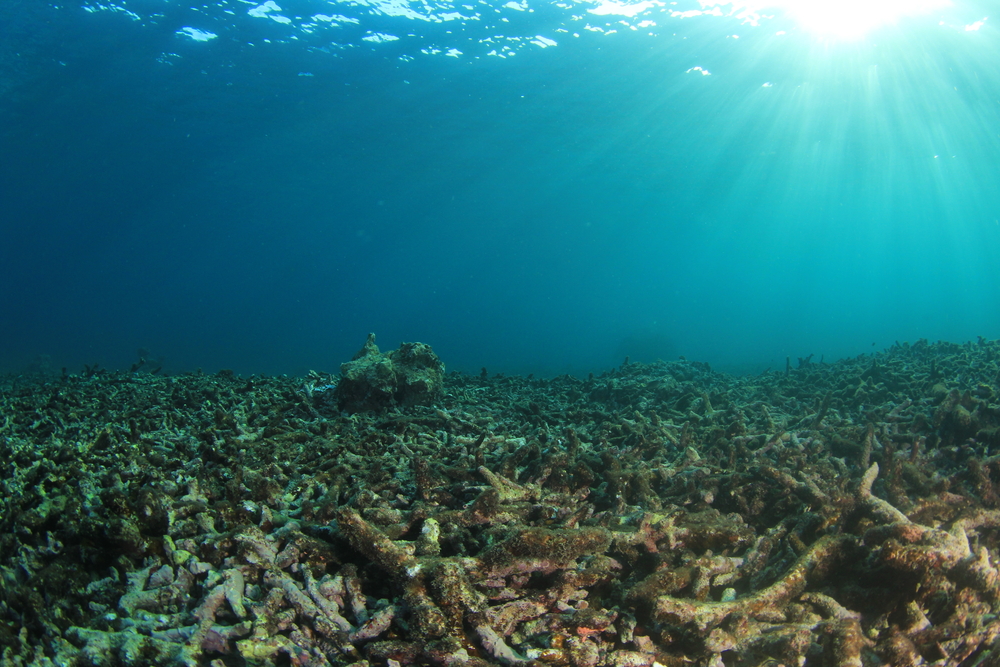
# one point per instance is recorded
(836, 514)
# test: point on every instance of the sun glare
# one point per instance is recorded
(852, 19)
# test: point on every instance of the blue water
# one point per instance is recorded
(527, 187)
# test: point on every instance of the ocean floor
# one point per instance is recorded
(820, 514)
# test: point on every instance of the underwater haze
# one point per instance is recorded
(529, 187)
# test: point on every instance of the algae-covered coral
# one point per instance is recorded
(833, 514)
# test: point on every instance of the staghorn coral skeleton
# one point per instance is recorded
(659, 514)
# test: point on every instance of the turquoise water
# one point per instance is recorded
(529, 187)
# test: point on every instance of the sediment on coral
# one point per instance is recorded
(831, 514)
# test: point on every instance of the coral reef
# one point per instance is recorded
(658, 514)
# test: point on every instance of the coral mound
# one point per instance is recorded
(411, 375)
(662, 514)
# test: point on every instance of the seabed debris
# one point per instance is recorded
(843, 514)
